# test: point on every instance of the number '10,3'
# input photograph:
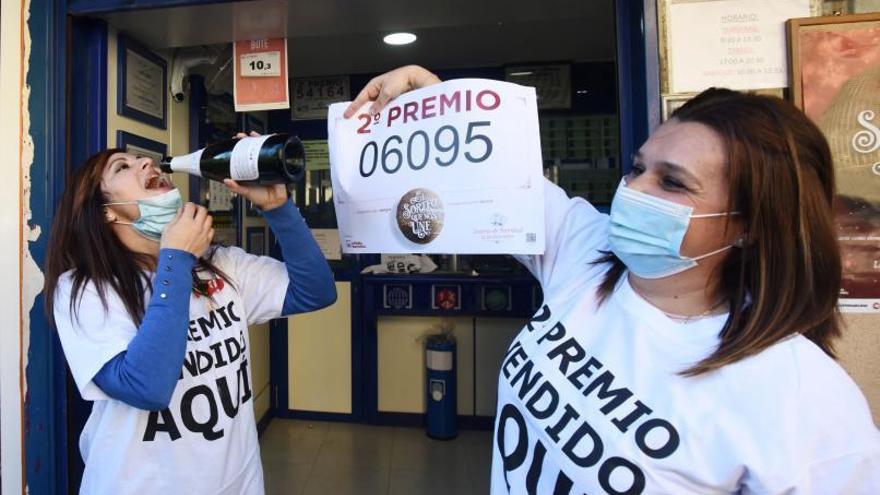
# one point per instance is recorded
(444, 147)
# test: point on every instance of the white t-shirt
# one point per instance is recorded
(205, 442)
(589, 399)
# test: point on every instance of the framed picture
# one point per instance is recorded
(834, 69)
(256, 240)
(137, 145)
(142, 79)
(671, 103)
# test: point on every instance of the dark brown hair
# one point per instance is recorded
(785, 279)
(81, 240)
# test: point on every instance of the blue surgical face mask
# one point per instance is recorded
(646, 233)
(156, 213)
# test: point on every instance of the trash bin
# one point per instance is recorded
(442, 408)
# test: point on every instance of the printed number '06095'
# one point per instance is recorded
(419, 148)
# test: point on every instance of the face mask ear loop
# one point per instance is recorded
(713, 215)
(713, 253)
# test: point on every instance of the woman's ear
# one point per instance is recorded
(109, 216)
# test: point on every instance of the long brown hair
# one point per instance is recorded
(81, 240)
(785, 279)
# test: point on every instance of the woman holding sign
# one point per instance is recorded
(685, 341)
(154, 321)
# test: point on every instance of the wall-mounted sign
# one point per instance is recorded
(317, 154)
(835, 70)
(397, 296)
(313, 95)
(496, 298)
(260, 81)
(738, 44)
(142, 79)
(451, 168)
(446, 297)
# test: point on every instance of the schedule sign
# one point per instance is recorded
(453, 168)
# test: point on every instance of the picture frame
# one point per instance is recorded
(798, 29)
(256, 240)
(142, 82)
(834, 66)
(670, 103)
(139, 145)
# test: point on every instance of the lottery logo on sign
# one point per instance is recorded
(420, 215)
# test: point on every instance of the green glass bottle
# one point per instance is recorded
(269, 159)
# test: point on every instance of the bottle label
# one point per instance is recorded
(244, 164)
(188, 163)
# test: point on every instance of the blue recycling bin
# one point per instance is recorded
(442, 407)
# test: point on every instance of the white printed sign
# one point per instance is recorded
(453, 168)
(261, 64)
(738, 44)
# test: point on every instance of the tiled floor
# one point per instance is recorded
(318, 458)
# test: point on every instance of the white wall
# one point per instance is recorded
(11, 142)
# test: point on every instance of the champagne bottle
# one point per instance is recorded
(269, 159)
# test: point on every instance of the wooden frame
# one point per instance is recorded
(833, 65)
(794, 29)
(153, 71)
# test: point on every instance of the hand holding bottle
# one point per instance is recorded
(191, 231)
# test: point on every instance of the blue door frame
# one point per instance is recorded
(67, 108)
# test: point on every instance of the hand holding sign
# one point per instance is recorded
(382, 89)
(451, 168)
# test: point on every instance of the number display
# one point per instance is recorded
(419, 149)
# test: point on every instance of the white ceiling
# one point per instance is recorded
(345, 37)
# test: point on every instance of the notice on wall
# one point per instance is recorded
(260, 81)
(317, 154)
(737, 44)
(313, 95)
(453, 168)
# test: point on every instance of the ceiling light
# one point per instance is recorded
(399, 38)
(520, 74)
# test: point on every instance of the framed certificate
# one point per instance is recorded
(142, 77)
(141, 146)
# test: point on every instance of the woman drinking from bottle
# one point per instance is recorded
(153, 319)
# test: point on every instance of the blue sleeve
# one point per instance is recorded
(311, 285)
(145, 374)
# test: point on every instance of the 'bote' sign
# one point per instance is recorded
(452, 168)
